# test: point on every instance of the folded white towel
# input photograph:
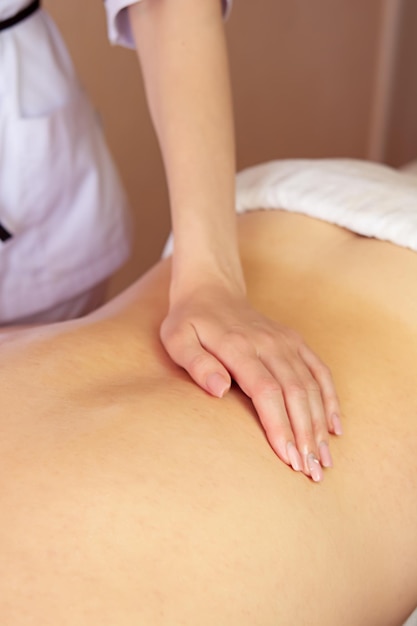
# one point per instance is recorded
(367, 198)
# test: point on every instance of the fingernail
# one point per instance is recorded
(325, 456)
(337, 425)
(294, 457)
(217, 385)
(314, 467)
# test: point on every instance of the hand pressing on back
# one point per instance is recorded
(217, 336)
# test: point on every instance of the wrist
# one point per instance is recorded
(206, 271)
(207, 250)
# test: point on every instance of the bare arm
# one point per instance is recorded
(181, 45)
(211, 329)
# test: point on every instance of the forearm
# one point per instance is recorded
(211, 330)
(181, 46)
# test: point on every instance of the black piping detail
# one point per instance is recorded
(22, 15)
(4, 233)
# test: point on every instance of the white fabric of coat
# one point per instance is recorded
(118, 25)
(60, 195)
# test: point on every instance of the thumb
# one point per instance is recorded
(185, 349)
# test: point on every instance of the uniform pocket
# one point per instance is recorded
(38, 123)
(39, 160)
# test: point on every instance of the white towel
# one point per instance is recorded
(367, 198)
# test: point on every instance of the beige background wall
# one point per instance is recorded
(309, 78)
(401, 140)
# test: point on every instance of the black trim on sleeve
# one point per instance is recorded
(4, 233)
(22, 15)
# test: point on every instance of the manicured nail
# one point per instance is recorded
(325, 456)
(314, 467)
(294, 457)
(337, 425)
(217, 385)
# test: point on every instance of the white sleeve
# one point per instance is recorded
(118, 24)
(9, 8)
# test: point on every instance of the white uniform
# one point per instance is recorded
(118, 21)
(60, 196)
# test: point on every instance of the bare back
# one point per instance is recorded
(130, 497)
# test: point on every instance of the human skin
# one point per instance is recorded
(182, 51)
(129, 496)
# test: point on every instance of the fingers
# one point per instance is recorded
(323, 376)
(294, 398)
(268, 399)
(313, 435)
(185, 350)
(292, 390)
(290, 410)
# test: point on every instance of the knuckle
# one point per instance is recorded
(319, 422)
(312, 387)
(296, 389)
(198, 364)
(332, 401)
(294, 337)
(237, 341)
(331, 398)
(325, 370)
(306, 442)
(322, 436)
(267, 339)
(318, 419)
(267, 387)
(170, 335)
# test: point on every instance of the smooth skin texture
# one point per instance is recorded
(211, 329)
(129, 496)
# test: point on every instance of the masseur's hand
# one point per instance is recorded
(216, 335)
